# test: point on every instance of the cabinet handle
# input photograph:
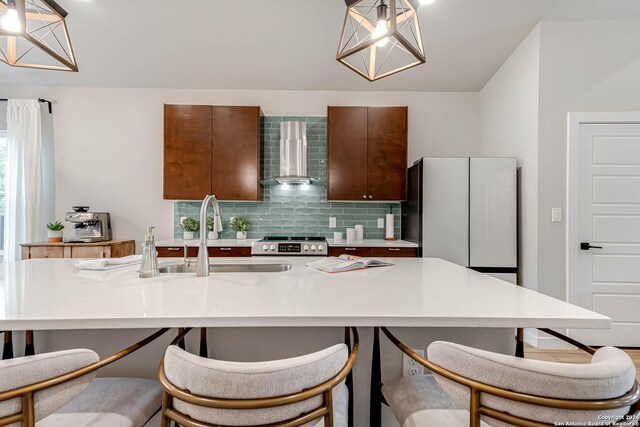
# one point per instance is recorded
(364, 196)
(173, 249)
(349, 249)
(225, 249)
(394, 249)
(370, 196)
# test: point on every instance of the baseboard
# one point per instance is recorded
(538, 339)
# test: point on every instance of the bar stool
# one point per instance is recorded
(471, 387)
(58, 389)
(309, 390)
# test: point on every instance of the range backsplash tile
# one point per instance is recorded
(296, 210)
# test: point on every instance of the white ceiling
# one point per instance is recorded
(289, 44)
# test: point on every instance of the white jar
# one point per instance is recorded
(188, 235)
(241, 235)
(212, 235)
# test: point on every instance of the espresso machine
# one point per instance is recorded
(88, 226)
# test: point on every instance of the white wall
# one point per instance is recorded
(509, 128)
(584, 66)
(109, 141)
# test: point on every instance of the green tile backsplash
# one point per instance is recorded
(296, 210)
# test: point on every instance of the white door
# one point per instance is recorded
(607, 279)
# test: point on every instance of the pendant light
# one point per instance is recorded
(34, 34)
(380, 37)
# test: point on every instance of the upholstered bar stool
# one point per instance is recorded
(308, 390)
(471, 387)
(59, 389)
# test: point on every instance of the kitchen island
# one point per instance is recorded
(265, 316)
(414, 292)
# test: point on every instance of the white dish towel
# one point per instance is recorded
(109, 263)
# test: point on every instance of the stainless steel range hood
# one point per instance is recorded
(293, 155)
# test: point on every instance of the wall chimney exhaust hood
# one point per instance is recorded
(293, 155)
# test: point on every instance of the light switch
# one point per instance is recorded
(556, 214)
(380, 222)
(332, 222)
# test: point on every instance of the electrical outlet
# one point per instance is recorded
(411, 368)
(380, 222)
(332, 222)
(556, 214)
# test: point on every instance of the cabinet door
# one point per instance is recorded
(445, 209)
(240, 251)
(387, 153)
(46, 252)
(187, 151)
(394, 252)
(356, 250)
(236, 153)
(170, 252)
(347, 153)
(492, 212)
(87, 252)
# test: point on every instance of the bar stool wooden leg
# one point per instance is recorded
(519, 342)
(375, 403)
(181, 342)
(204, 352)
(29, 346)
(349, 380)
(7, 348)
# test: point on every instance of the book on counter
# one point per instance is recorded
(345, 263)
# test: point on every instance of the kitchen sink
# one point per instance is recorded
(227, 268)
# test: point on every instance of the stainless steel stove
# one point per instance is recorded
(278, 245)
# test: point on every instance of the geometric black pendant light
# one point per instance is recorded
(380, 37)
(34, 34)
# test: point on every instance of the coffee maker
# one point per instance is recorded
(88, 226)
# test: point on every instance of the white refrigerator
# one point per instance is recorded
(465, 210)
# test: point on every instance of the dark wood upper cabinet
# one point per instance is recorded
(212, 150)
(367, 153)
(187, 151)
(236, 153)
(387, 153)
(347, 153)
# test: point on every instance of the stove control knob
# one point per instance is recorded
(320, 248)
(305, 247)
(313, 247)
(272, 247)
(265, 247)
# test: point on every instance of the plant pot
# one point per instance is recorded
(188, 235)
(241, 235)
(54, 236)
(212, 235)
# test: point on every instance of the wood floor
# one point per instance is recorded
(574, 356)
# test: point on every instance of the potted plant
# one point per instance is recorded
(54, 232)
(189, 228)
(212, 235)
(240, 225)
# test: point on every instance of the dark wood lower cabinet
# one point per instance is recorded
(374, 252)
(178, 251)
(245, 251)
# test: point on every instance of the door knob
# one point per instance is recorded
(370, 196)
(364, 196)
(584, 246)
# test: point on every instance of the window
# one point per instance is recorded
(3, 165)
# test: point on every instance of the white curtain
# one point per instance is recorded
(25, 187)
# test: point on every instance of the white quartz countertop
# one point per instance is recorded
(373, 243)
(416, 292)
(210, 243)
